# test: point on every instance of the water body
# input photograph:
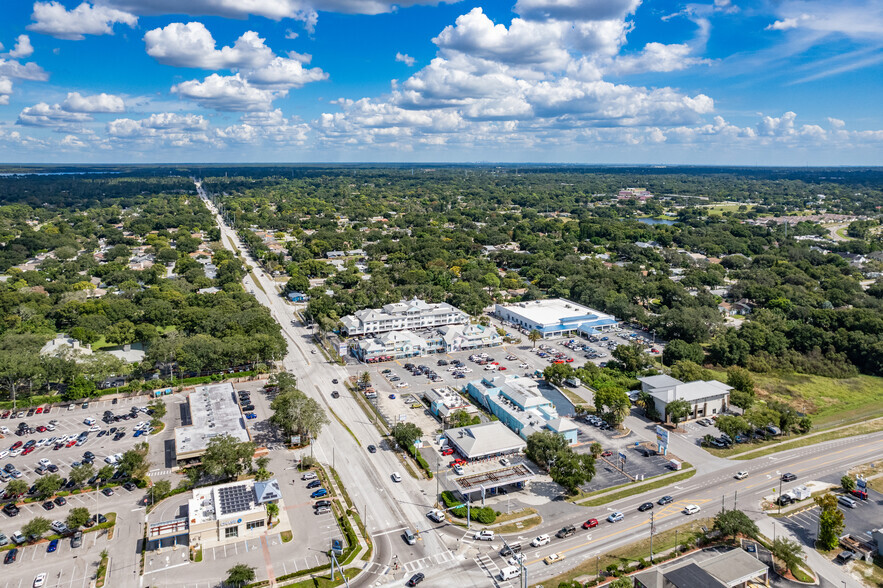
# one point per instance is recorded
(656, 221)
(65, 173)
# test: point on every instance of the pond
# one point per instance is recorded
(656, 221)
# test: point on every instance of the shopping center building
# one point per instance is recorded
(556, 317)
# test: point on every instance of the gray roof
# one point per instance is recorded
(268, 491)
(213, 412)
(485, 439)
(691, 391)
(660, 381)
(735, 567)
(692, 576)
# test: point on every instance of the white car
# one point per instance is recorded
(50, 427)
(741, 475)
(458, 469)
(94, 429)
(396, 477)
(523, 366)
(42, 442)
(40, 580)
(484, 536)
(45, 462)
(402, 385)
(505, 461)
(515, 559)
(59, 527)
(15, 452)
(541, 540)
(4, 430)
(691, 509)
(4, 453)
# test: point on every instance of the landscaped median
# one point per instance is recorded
(605, 495)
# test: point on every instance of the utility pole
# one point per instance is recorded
(779, 499)
(468, 511)
(651, 536)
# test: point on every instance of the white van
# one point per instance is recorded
(509, 572)
(847, 501)
(89, 421)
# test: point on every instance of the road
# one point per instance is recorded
(389, 507)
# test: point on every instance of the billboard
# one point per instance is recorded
(662, 435)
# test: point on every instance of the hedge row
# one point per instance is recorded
(423, 464)
(482, 514)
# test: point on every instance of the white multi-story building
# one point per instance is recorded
(556, 317)
(412, 315)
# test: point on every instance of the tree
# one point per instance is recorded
(365, 379)
(744, 400)
(226, 456)
(687, 371)
(735, 522)
(460, 418)
(272, 512)
(787, 551)
(571, 470)
(36, 527)
(596, 449)
(159, 411)
(831, 521)
(160, 490)
(623, 582)
(295, 413)
(679, 350)
(105, 473)
(632, 357)
(556, 373)
(733, 425)
(262, 474)
(406, 434)
(542, 447)
(533, 337)
(613, 404)
(134, 462)
(48, 485)
(648, 404)
(16, 487)
(740, 379)
(240, 574)
(847, 483)
(80, 474)
(283, 381)
(77, 517)
(677, 410)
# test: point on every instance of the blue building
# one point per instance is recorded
(519, 405)
(298, 297)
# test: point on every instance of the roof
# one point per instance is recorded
(691, 576)
(660, 381)
(485, 439)
(214, 412)
(734, 567)
(552, 312)
(268, 491)
(691, 391)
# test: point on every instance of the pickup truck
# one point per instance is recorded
(566, 532)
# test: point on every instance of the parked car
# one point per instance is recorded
(77, 540)
(319, 493)
(11, 555)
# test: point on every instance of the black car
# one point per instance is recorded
(248, 407)
(566, 532)
(315, 484)
(89, 455)
(107, 491)
(789, 477)
(52, 468)
(335, 394)
(10, 510)
(119, 436)
(60, 501)
(784, 500)
(334, 381)
(645, 506)
(48, 505)
(415, 579)
(372, 449)
(10, 556)
(99, 518)
(9, 468)
(129, 486)
(665, 500)
(321, 503)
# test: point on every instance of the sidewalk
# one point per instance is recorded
(784, 445)
(820, 565)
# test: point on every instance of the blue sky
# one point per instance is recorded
(778, 82)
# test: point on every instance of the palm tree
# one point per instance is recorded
(596, 449)
(534, 336)
(272, 511)
(240, 574)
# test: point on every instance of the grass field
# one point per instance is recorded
(831, 402)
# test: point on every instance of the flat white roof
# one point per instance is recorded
(553, 311)
(213, 412)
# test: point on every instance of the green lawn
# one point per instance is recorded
(831, 402)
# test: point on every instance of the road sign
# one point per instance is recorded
(622, 456)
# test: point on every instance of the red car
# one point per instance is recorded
(448, 451)
(458, 461)
(6, 414)
(590, 523)
(502, 368)
(46, 411)
(41, 429)
(16, 445)
(27, 451)
(569, 360)
(39, 410)
(71, 443)
(557, 361)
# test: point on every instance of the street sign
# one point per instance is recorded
(622, 456)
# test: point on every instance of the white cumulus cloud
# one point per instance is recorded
(23, 47)
(5, 90)
(97, 103)
(226, 93)
(52, 18)
(406, 59)
(192, 45)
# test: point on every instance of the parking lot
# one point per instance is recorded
(858, 521)
(65, 567)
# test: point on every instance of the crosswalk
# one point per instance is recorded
(155, 473)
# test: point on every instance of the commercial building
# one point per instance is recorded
(405, 315)
(444, 401)
(484, 440)
(706, 398)
(733, 569)
(406, 343)
(556, 317)
(520, 405)
(231, 512)
(213, 412)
